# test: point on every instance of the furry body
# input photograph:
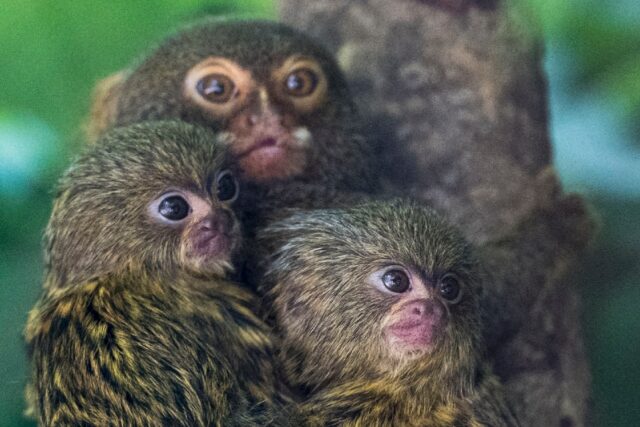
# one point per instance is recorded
(150, 351)
(333, 320)
(138, 324)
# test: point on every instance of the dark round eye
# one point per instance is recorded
(396, 280)
(227, 186)
(450, 288)
(216, 88)
(301, 82)
(174, 208)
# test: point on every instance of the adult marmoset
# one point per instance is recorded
(278, 98)
(138, 324)
(379, 313)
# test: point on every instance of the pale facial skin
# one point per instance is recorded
(419, 313)
(262, 115)
(207, 226)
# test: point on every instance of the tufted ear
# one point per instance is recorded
(104, 104)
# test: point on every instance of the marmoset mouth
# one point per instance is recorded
(272, 158)
(266, 149)
(261, 143)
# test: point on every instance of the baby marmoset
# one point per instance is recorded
(379, 314)
(137, 324)
(279, 99)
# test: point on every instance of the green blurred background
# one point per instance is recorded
(54, 51)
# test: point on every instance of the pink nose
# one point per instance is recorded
(212, 236)
(416, 324)
(424, 309)
(218, 223)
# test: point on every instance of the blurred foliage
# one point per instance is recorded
(603, 38)
(610, 284)
(593, 65)
(58, 49)
(55, 51)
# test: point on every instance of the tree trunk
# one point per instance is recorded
(456, 96)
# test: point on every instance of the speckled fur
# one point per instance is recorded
(315, 268)
(153, 89)
(123, 334)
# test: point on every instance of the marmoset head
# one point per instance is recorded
(383, 288)
(149, 197)
(278, 98)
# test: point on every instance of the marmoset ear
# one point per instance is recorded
(104, 104)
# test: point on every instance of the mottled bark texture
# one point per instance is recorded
(456, 98)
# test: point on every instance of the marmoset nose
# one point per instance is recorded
(220, 222)
(424, 309)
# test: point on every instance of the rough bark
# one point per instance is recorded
(456, 98)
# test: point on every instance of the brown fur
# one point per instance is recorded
(153, 89)
(125, 333)
(103, 106)
(329, 319)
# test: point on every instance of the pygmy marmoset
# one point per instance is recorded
(137, 324)
(379, 313)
